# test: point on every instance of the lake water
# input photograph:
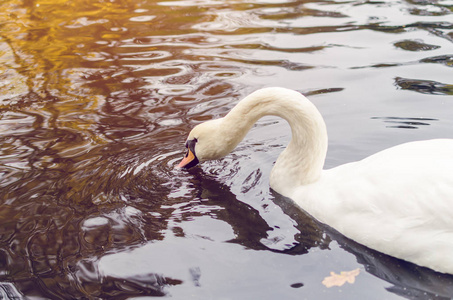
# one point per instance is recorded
(96, 100)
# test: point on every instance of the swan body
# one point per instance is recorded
(398, 201)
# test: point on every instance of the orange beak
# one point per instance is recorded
(188, 161)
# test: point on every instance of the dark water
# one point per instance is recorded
(97, 97)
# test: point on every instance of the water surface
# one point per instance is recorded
(97, 97)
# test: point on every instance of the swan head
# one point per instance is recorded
(207, 141)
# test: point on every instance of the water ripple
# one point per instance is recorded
(424, 86)
(97, 100)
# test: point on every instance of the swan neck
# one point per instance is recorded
(302, 161)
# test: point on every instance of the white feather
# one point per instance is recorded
(398, 201)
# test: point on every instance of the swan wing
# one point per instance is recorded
(398, 201)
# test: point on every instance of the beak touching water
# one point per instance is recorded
(187, 160)
(190, 159)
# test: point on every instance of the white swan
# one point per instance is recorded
(398, 201)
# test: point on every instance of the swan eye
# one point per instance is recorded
(190, 159)
(190, 144)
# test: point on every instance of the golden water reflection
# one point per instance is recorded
(96, 98)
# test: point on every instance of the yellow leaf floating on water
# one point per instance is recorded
(340, 279)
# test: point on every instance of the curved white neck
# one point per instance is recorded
(302, 161)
